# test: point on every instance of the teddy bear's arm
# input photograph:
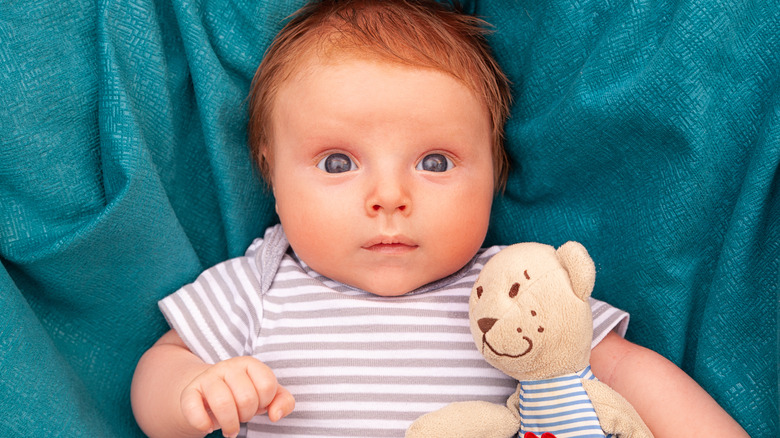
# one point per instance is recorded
(616, 415)
(471, 419)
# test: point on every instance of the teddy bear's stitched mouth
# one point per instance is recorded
(513, 356)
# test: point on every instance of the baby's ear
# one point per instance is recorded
(582, 271)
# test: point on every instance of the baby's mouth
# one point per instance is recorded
(390, 245)
(513, 356)
(391, 248)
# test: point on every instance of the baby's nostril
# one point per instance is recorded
(485, 324)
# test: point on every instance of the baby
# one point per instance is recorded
(378, 126)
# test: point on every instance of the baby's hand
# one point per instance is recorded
(232, 392)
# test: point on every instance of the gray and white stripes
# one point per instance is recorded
(357, 364)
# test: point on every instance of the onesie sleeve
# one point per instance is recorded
(219, 312)
(605, 319)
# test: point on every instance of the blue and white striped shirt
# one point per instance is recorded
(560, 406)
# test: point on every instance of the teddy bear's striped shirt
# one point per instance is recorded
(357, 364)
(560, 406)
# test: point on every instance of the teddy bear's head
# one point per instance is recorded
(529, 310)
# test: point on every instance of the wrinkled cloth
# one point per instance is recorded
(648, 131)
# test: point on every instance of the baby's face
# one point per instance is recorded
(382, 173)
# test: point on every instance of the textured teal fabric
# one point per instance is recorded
(649, 131)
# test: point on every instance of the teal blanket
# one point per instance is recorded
(648, 131)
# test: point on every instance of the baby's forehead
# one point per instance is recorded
(344, 79)
(322, 59)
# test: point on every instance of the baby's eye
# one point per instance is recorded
(336, 163)
(435, 163)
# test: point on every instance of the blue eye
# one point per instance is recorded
(435, 163)
(336, 163)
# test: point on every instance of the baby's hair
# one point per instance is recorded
(418, 33)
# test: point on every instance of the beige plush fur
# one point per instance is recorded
(530, 318)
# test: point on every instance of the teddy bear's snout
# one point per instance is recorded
(485, 324)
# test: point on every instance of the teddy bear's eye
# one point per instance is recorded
(533, 313)
(479, 291)
(541, 329)
(513, 290)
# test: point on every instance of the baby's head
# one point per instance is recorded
(378, 125)
(416, 33)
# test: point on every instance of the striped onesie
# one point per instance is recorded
(357, 364)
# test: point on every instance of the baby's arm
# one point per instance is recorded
(175, 394)
(667, 399)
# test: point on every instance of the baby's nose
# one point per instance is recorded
(485, 324)
(389, 195)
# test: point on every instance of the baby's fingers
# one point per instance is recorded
(195, 411)
(273, 398)
(244, 393)
(219, 400)
(282, 404)
(223, 406)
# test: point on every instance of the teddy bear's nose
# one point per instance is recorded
(485, 324)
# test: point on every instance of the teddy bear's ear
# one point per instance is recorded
(582, 271)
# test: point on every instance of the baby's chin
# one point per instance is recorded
(387, 290)
(390, 292)
(388, 287)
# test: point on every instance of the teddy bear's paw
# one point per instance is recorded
(474, 419)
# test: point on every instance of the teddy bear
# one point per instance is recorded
(530, 317)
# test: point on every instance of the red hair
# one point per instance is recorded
(418, 33)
